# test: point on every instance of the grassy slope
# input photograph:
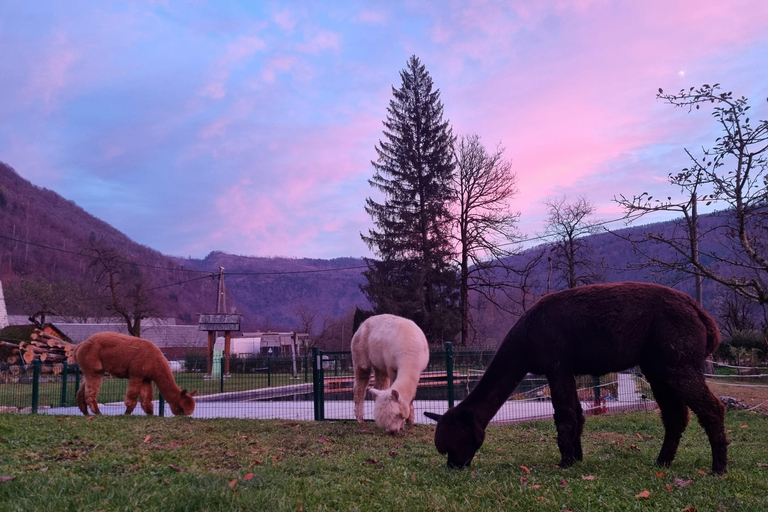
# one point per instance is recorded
(109, 463)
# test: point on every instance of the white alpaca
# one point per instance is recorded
(397, 352)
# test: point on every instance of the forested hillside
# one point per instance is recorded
(44, 237)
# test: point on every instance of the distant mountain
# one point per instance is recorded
(41, 234)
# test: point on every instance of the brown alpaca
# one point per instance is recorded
(595, 330)
(135, 359)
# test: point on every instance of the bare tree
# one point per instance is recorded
(686, 235)
(41, 299)
(570, 256)
(127, 293)
(485, 227)
(307, 323)
(733, 172)
(736, 313)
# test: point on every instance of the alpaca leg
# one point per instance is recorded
(674, 416)
(132, 394)
(146, 396)
(92, 385)
(569, 418)
(381, 380)
(710, 413)
(362, 376)
(411, 418)
(80, 396)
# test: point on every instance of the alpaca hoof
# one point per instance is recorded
(719, 469)
(663, 463)
(566, 463)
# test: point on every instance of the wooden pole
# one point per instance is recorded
(227, 340)
(211, 340)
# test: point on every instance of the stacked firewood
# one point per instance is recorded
(48, 348)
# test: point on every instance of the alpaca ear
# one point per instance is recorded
(433, 415)
(375, 392)
(193, 393)
(395, 395)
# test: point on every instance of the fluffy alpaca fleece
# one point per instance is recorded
(595, 330)
(396, 350)
(135, 359)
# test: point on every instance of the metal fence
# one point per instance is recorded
(315, 386)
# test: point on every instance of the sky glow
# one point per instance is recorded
(249, 127)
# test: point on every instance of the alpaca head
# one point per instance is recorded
(186, 405)
(459, 435)
(389, 410)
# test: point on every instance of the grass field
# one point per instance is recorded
(144, 463)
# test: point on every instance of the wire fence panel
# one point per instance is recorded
(315, 386)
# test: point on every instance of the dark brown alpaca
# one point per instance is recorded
(595, 330)
(135, 359)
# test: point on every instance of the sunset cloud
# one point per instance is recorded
(250, 127)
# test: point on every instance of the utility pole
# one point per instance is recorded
(221, 298)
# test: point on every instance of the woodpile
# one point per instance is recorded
(51, 351)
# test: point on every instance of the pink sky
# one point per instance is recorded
(250, 128)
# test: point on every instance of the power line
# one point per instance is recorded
(207, 273)
(83, 255)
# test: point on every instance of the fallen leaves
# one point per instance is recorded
(177, 468)
(644, 495)
(146, 439)
(683, 483)
(7, 478)
(587, 477)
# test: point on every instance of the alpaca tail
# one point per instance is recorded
(713, 333)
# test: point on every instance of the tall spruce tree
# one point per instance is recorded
(414, 277)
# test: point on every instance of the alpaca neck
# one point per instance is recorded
(167, 385)
(407, 391)
(506, 371)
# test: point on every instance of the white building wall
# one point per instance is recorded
(3, 310)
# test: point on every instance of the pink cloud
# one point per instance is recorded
(51, 72)
(285, 19)
(237, 53)
(372, 17)
(585, 96)
(323, 40)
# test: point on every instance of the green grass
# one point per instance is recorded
(176, 463)
(113, 390)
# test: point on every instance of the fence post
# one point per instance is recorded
(269, 371)
(161, 405)
(221, 379)
(449, 371)
(306, 368)
(596, 388)
(35, 384)
(318, 384)
(64, 384)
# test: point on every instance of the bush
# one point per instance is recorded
(749, 340)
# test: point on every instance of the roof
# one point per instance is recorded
(161, 335)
